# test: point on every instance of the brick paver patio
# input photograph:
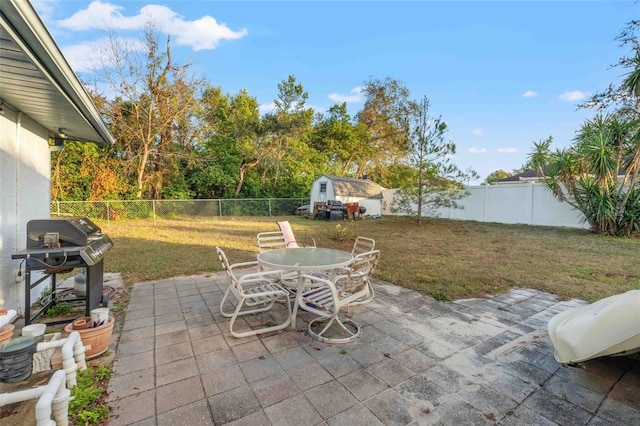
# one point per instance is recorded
(418, 361)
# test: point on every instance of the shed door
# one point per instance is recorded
(322, 194)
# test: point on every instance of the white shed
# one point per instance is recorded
(348, 190)
(40, 98)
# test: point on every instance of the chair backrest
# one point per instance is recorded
(271, 240)
(225, 264)
(287, 233)
(363, 245)
(360, 269)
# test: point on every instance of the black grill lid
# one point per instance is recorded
(73, 231)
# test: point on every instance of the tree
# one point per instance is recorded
(435, 181)
(496, 176)
(342, 141)
(86, 171)
(151, 115)
(624, 96)
(385, 116)
(598, 174)
(587, 175)
(289, 162)
(538, 159)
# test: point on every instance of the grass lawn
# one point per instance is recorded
(443, 258)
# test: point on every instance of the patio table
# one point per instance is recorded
(304, 259)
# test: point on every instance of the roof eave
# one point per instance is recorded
(36, 42)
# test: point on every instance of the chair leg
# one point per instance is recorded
(350, 328)
(222, 302)
(237, 313)
(266, 307)
(367, 299)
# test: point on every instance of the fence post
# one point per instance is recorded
(220, 207)
(153, 209)
(531, 201)
(58, 207)
(485, 202)
(108, 215)
(269, 203)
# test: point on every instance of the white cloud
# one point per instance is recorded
(478, 132)
(507, 150)
(573, 96)
(45, 8)
(97, 54)
(529, 94)
(82, 57)
(355, 96)
(267, 108)
(477, 150)
(203, 33)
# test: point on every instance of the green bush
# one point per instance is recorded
(86, 407)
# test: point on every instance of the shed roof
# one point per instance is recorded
(36, 79)
(363, 188)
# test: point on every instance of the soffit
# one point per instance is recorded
(36, 79)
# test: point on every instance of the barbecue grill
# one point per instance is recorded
(59, 245)
(336, 210)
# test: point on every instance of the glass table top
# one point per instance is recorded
(308, 258)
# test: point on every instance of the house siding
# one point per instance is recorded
(24, 185)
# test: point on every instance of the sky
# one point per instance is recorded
(501, 74)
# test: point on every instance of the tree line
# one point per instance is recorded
(179, 137)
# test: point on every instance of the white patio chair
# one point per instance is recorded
(327, 299)
(362, 245)
(273, 240)
(254, 292)
(270, 241)
(371, 258)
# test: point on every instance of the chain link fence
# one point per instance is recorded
(174, 209)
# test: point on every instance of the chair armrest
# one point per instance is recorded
(270, 275)
(243, 264)
(314, 295)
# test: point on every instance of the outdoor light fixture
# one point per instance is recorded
(62, 133)
(58, 144)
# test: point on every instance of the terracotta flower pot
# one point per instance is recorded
(6, 332)
(81, 323)
(97, 337)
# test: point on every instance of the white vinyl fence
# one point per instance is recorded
(522, 203)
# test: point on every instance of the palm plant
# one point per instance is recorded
(598, 175)
(539, 157)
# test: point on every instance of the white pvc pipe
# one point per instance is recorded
(55, 398)
(72, 355)
(20, 396)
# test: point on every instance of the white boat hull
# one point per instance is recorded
(610, 326)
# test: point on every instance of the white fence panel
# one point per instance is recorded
(508, 203)
(548, 211)
(526, 203)
(472, 207)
